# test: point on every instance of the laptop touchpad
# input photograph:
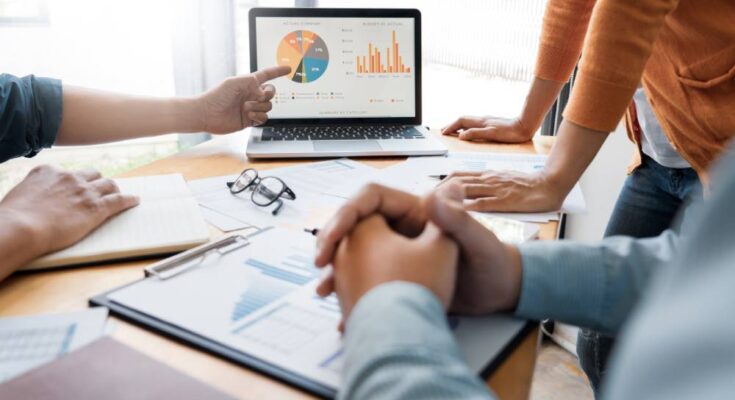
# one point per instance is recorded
(346, 145)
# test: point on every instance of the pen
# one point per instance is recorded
(313, 231)
(440, 177)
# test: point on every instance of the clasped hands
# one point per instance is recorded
(384, 235)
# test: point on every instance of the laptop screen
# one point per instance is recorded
(341, 67)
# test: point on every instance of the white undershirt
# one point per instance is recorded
(654, 142)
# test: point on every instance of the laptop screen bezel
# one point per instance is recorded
(260, 12)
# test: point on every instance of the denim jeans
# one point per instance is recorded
(647, 205)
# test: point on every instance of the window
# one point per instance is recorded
(478, 55)
(115, 45)
(23, 12)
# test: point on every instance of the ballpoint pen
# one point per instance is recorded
(439, 177)
(313, 231)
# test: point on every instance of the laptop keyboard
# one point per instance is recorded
(340, 132)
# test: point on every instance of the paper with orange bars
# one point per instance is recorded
(377, 62)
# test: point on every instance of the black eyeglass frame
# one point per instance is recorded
(255, 183)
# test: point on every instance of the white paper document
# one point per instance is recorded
(261, 300)
(413, 176)
(319, 189)
(28, 342)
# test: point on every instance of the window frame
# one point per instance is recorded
(41, 19)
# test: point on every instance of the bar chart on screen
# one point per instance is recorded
(378, 61)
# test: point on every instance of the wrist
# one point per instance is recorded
(24, 234)
(191, 114)
(515, 281)
(527, 126)
(555, 186)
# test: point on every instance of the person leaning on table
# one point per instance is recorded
(683, 53)
(671, 297)
(52, 208)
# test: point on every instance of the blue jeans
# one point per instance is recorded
(647, 205)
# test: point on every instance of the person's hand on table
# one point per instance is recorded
(58, 208)
(489, 129)
(240, 101)
(429, 259)
(507, 191)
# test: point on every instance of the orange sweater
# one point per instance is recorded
(682, 51)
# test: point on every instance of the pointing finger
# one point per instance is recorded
(266, 74)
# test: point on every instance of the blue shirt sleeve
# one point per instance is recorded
(398, 346)
(590, 285)
(30, 115)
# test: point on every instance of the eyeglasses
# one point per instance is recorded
(266, 190)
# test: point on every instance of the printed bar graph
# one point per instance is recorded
(258, 296)
(273, 282)
(377, 62)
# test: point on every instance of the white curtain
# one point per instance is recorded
(203, 49)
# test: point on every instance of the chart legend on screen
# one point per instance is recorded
(377, 62)
(306, 53)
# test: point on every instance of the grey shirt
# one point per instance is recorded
(672, 299)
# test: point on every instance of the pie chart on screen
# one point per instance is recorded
(306, 53)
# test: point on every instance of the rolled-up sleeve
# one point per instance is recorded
(30, 115)
(398, 346)
(590, 285)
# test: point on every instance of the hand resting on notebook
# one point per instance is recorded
(52, 209)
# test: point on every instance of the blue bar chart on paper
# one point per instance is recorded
(274, 282)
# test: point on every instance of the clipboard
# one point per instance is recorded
(178, 265)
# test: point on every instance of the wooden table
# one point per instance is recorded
(69, 289)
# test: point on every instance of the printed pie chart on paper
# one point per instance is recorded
(306, 53)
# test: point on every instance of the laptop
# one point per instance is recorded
(354, 88)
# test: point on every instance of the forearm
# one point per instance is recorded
(563, 31)
(573, 151)
(540, 98)
(398, 346)
(18, 243)
(91, 116)
(590, 285)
